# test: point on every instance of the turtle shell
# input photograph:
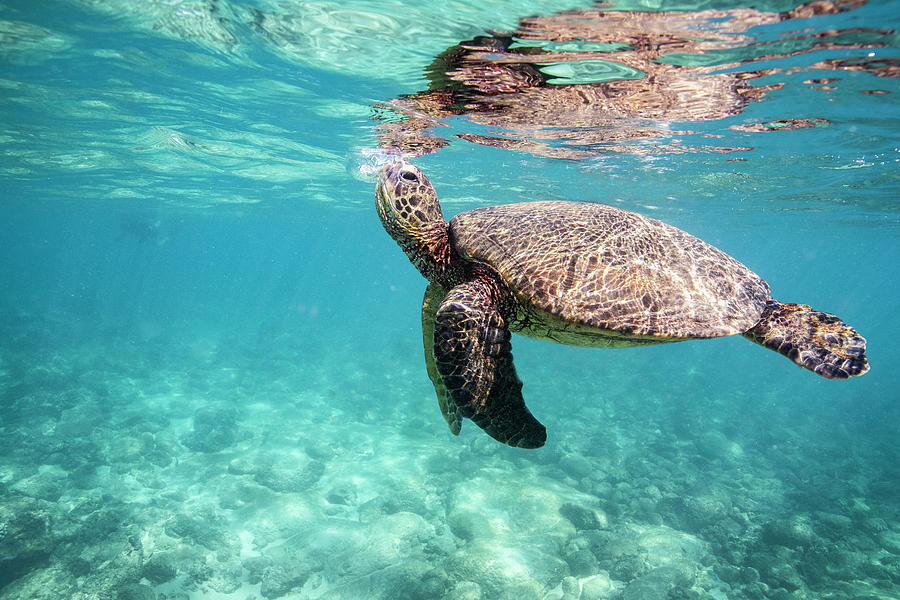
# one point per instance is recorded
(589, 268)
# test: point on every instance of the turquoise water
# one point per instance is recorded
(211, 375)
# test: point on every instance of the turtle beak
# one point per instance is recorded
(387, 179)
(390, 172)
(381, 202)
(386, 187)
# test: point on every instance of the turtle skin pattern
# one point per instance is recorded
(434, 295)
(473, 354)
(819, 341)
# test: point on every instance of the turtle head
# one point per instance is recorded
(410, 212)
(406, 200)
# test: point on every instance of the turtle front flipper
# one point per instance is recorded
(474, 359)
(434, 294)
(818, 341)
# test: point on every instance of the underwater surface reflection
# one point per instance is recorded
(581, 83)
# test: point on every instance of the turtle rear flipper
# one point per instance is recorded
(818, 341)
(474, 359)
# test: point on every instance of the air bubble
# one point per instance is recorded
(365, 164)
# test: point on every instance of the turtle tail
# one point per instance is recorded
(818, 341)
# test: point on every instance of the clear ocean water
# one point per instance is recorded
(211, 374)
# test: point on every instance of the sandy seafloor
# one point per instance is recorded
(211, 382)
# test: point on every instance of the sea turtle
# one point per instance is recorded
(576, 273)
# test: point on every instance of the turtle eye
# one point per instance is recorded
(409, 177)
